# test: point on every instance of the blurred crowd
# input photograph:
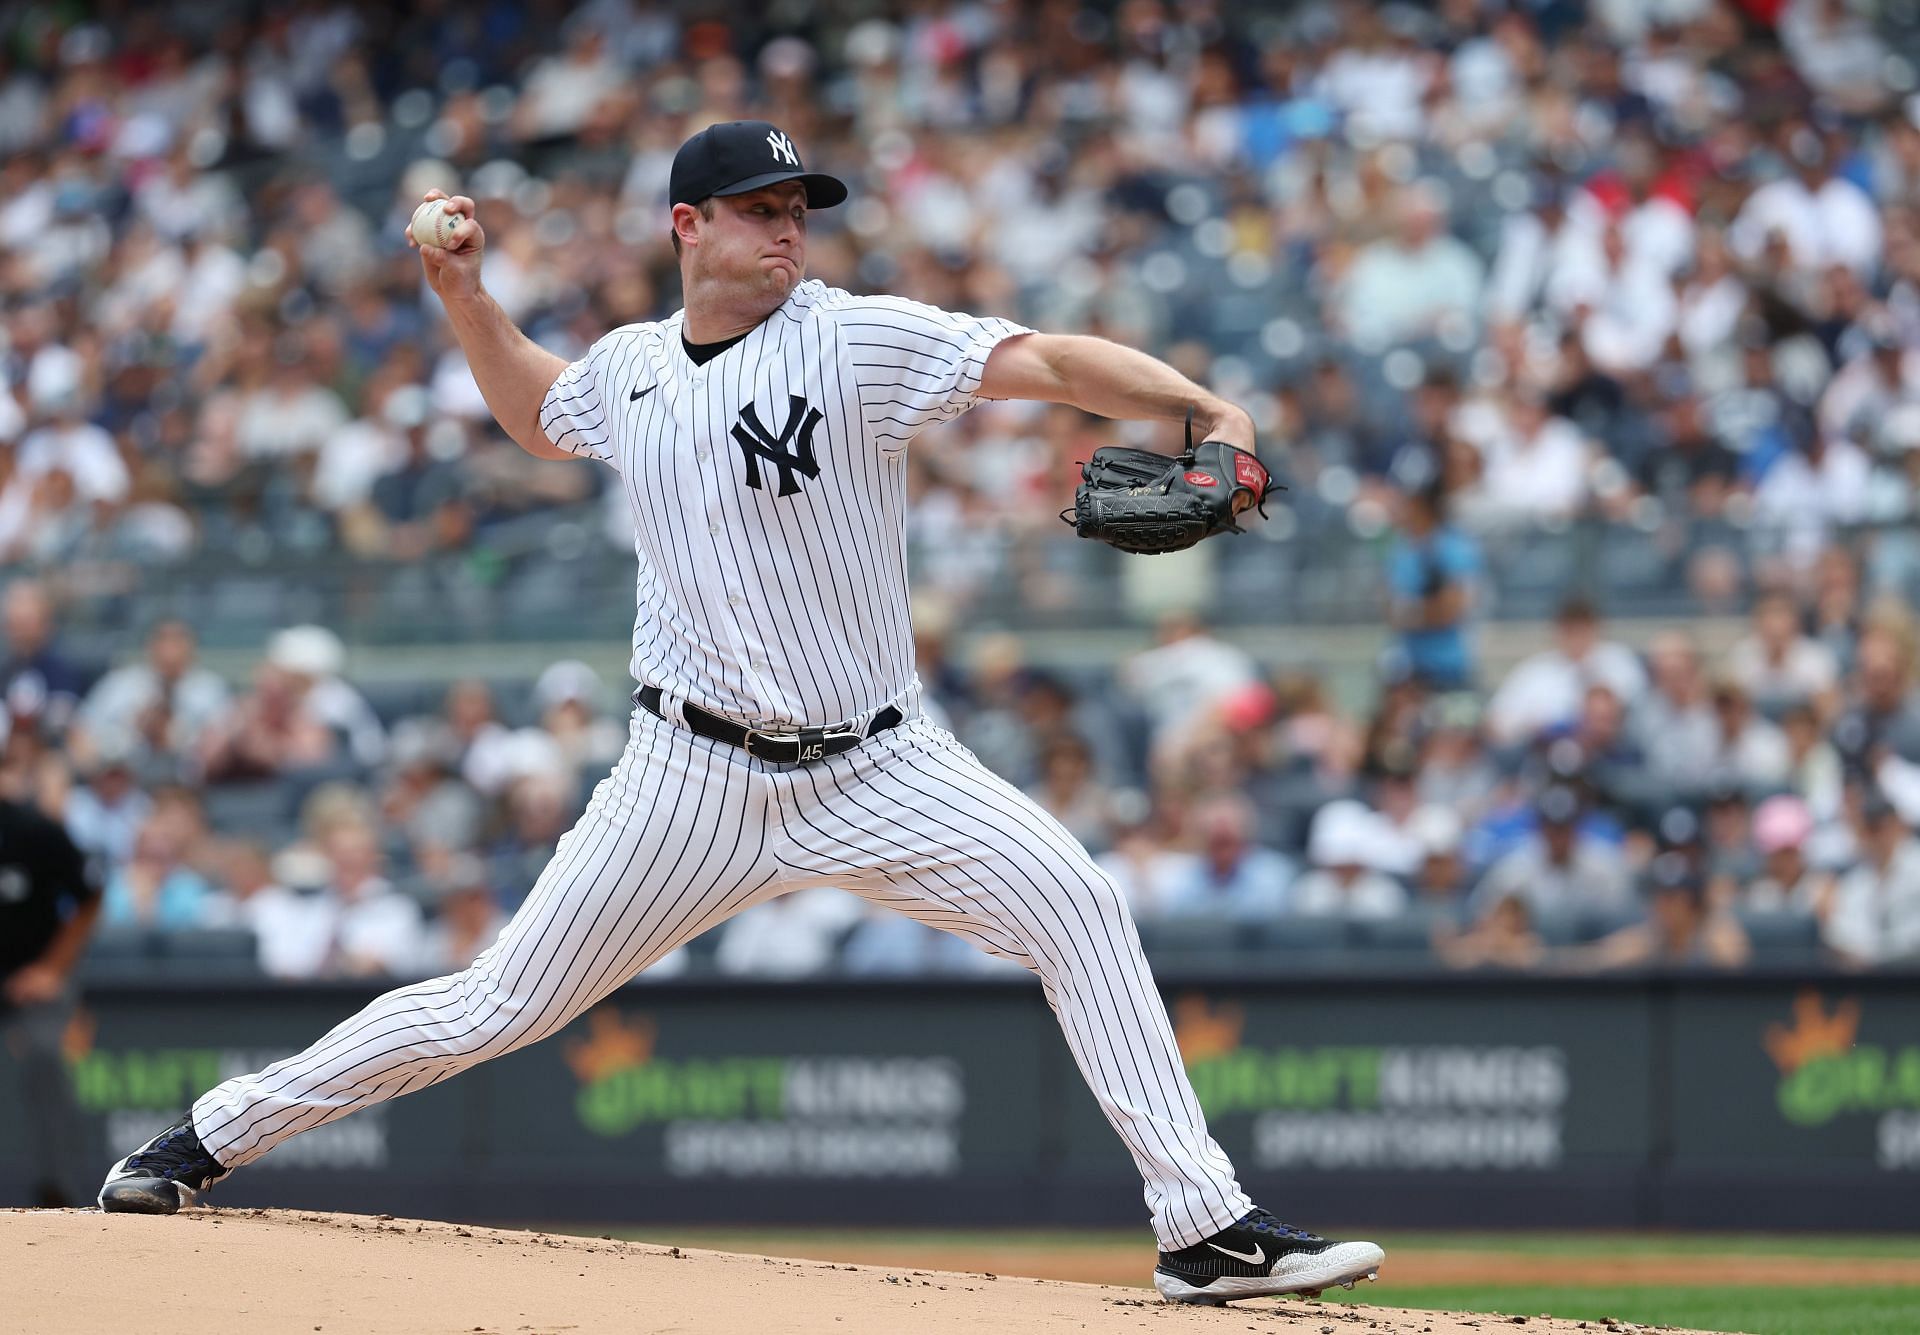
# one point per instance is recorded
(1604, 805)
(1644, 263)
(1478, 269)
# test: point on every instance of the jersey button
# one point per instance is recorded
(701, 454)
(714, 529)
(733, 600)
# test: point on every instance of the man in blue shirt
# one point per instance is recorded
(1431, 571)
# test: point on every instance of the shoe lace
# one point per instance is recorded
(175, 1153)
(1261, 1221)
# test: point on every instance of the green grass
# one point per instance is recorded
(1859, 1247)
(1754, 1311)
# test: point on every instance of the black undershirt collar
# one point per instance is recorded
(702, 353)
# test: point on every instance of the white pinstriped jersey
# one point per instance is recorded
(768, 491)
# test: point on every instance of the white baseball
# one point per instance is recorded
(433, 224)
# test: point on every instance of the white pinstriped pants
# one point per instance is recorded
(686, 832)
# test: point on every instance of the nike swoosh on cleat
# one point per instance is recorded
(1257, 1256)
(634, 396)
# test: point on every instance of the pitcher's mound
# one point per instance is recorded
(262, 1272)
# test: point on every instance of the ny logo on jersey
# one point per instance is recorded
(782, 148)
(757, 443)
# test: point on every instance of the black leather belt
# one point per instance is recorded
(780, 748)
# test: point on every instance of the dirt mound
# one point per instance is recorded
(211, 1272)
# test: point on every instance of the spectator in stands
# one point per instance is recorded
(376, 930)
(1778, 665)
(569, 696)
(1412, 284)
(1813, 765)
(1187, 670)
(1559, 871)
(1835, 618)
(1748, 750)
(1674, 722)
(41, 685)
(540, 806)
(1534, 466)
(292, 930)
(1874, 913)
(1343, 883)
(68, 442)
(1873, 384)
(1681, 928)
(467, 917)
(1546, 690)
(1726, 832)
(793, 936)
(315, 658)
(1440, 881)
(155, 888)
(1502, 937)
(1713, 297)
(1623, 304)
(1788, 882)
(268, 732)
(1817, 485)
(1823, 217)
(472, 735)
(1454, 770)
(423, 797)
(162, 707)
(1142, 864)
(420, 508)
(1071, 794)
(1432, 573)
(1337, 429)
(1605, 753)
(1884, 712)
(1232, 877)
(1836, 50)
(1693, 473)
(105, 814)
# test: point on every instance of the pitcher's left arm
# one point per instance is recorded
(1110, 380)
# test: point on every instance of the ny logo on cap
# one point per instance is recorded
(782, 148)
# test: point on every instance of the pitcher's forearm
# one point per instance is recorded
(514, 373)
(1112, 380)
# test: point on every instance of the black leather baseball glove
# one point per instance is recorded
(1144, 502)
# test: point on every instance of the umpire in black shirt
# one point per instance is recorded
(49, 899)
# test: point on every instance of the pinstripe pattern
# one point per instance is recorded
(962, 850)
(777, 611)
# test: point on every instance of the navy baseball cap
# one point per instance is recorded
(734, 157)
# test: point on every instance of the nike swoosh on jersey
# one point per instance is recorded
(634, 396)
(1257, 1256)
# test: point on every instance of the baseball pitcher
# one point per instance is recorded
(778, 741)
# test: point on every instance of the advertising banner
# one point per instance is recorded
(1414, 1083)
(1813, 1078)
(1415, 1102)
(745, 1086)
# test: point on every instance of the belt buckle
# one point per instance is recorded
(806, 745)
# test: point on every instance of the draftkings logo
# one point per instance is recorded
(137, 1091)
(769, 1116)
(1827, 1073)
(1363, 1106)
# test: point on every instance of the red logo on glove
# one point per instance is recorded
(1202, 480)
(1248, 472)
